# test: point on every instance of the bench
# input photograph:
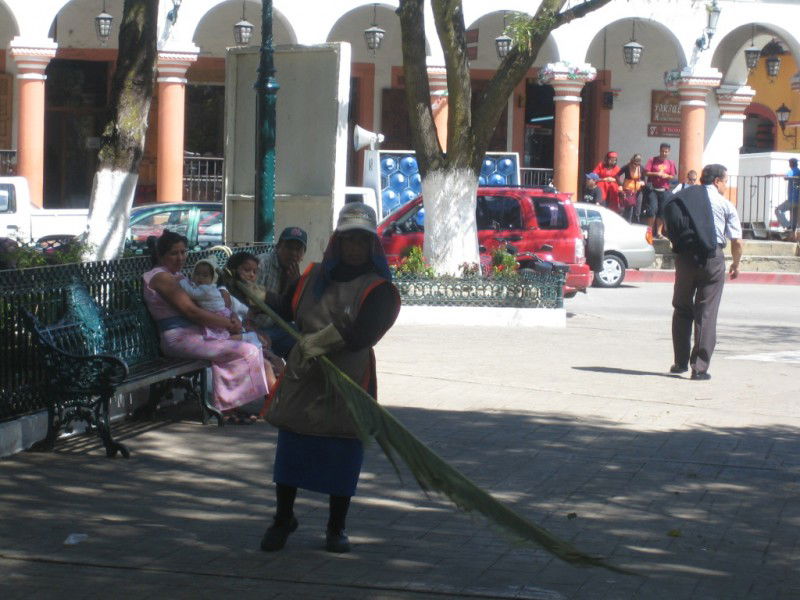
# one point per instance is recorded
(92, 354)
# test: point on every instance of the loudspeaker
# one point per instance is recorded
(363, 138)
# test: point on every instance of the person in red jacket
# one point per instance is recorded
(608, 171)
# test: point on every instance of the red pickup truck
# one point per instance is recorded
(527, 218)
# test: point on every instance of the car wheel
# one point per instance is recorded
(595, 243)
(612, 272)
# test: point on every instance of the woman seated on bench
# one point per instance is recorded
(241, 377)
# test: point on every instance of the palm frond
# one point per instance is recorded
(433, 473)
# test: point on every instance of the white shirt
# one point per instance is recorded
(726, 220)
(206, 295)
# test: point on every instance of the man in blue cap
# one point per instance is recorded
(279, 270)
(591, 191)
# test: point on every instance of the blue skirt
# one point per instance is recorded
(328, 465)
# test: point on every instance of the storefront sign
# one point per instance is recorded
(665, 107)
(656, 130)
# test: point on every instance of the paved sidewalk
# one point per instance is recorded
(694, 484)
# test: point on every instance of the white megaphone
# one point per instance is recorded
(363, 138)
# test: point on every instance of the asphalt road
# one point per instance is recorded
(746, 304)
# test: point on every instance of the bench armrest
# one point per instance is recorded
(71, 373)
(74, 374)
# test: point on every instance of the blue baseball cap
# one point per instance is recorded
(294, 233)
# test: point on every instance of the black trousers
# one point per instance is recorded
(695, 298)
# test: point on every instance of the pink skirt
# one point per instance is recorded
(237, 367)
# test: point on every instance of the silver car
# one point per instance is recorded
(626, 246)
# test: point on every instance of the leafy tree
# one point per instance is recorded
(122, 140)
(450, 179)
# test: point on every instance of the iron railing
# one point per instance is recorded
(756, 197)
(8, 162)
(535, 176)
(203, 178)
(537, 290)
(44, 291)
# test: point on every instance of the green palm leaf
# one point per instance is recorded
(429, 469)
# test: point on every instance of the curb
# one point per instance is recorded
(668, 276)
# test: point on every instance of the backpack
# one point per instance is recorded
(681, 231)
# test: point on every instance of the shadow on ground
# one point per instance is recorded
(701, 512)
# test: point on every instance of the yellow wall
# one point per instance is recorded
(773, 94)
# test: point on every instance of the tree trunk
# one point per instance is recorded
(451, 235)
(122, 141)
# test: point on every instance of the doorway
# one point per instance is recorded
(76, 105)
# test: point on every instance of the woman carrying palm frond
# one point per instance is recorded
(342, 306)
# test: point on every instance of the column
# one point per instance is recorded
(172, 66)
(693, 88)
(567, 80)
(437, 80)
(725, 141)
(32, 60)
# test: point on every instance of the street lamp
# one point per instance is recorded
(267, 90)
(373, 35)
(172, 15)
(102, 25)
(632, 51)
(783, 112)
(712, 11)
(503, 42)
(773, 53)
(243, 30)
(752, 54)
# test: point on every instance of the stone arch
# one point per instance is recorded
(350, 27)
(490, 25)
(212, 32)
(729, 54)
(9, 27)
(73, 24)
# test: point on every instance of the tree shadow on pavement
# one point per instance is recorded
(703, 512)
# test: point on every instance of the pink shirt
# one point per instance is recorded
(663, 165)
(158, 307)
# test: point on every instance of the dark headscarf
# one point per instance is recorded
(334, 270)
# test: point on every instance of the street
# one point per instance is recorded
(693, 485)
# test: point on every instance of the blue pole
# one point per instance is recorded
(267, 90)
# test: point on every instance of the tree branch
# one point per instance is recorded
(449, 19)
(418, 96)
(576, 12)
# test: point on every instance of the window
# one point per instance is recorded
(7, 198)
(155, 224)
(498, 213)
(550, 213)
(587, 216)
(209, 227)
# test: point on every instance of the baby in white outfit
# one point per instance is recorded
(203, 290)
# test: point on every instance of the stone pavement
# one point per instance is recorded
(696, 485)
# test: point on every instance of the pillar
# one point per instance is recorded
(693, 88)
(31, 60)
(567, 80)
(437, 79)
(171, 80)
(726, 139)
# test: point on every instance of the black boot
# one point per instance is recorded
(335, 539)
(275, 537)
(284, 522)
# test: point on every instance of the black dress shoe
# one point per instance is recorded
(337, 541)
(275, 537)
(678, 369)
(700, 376)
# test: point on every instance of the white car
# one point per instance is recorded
(626, 246)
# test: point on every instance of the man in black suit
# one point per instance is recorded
(700, 276)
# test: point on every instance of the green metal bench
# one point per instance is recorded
(92, 354)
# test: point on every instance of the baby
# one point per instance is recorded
(203, 290)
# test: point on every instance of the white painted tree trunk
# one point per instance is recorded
(451, 236)
(112, 197)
